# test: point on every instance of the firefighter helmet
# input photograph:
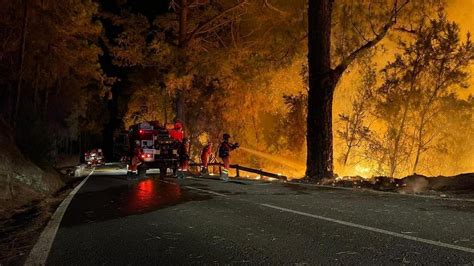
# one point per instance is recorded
(178, 126)
(226, 136)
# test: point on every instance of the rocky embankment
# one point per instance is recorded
(22, 181)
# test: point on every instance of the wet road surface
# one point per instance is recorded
(114, 221)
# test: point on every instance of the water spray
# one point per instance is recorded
(274, 158)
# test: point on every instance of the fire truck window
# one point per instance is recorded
(147, 143)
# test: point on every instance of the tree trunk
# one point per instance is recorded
(35, 99)
(10, 102)
(394, 158)
(165, 108)
(346, 155)
(322, 82)
(183, 23)
(419, 139)
(319, 162)
(45, 107)
(182, 42)
(421, 126)
(21, 61)
(417, 158)
(180, 106)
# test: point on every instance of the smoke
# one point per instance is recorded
(415, 184)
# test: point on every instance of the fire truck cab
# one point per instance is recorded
(151, 146)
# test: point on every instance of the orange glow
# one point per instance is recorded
(274, 158)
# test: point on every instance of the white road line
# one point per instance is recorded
(198, 189)
(39, 253)
(168, 182)
(206, 191)
(364, 227)
(377, 230)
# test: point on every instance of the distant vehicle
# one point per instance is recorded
(94, 158)
(147, 145)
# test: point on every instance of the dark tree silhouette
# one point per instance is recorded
(21, 59)
(323, 79)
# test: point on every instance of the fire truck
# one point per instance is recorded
(95, 157)
(149, 145)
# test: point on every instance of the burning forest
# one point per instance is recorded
(400, 94)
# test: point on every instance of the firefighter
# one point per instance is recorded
(177, 133)
(135, 161)
(205, 154)
(224, 153)
(183, 153)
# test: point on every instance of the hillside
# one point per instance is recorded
(21, 181)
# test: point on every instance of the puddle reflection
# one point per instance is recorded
(120, 201)
(152, 194)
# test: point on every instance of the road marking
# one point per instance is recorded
(168, 182)
(368, 228)
(206, 191)
(198, 189)
(39, 253)
(377, 230)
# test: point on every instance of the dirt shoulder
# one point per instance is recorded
(459, 186)
(20, 226)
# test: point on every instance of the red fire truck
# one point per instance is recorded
(94, 158)
(151, 146)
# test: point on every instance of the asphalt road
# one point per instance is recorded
(114, 221)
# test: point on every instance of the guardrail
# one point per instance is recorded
(239, 168)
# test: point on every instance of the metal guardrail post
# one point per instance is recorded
(237, 170)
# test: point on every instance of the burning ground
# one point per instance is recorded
(459, 186)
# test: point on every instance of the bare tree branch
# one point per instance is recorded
(216, 26)
(373, 42)
(359, 32)
(372, 26)
(200, 28)
(405, 30)
(271, 7)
